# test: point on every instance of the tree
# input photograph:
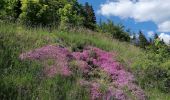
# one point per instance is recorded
(69, 16)
(150, 41)
(90, 19)
(134, 39)
(10, 9)
(31, 12)
(49, 12)
(2, 4)
(156, 36)
(17, 9)
(117, 30)
(142, 40)
(2, 10)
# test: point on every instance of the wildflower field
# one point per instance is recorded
(36, 63)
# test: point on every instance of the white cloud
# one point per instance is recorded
(165, 26)
(131, 36)
(165, 37)
(140, 10)
(151, 34)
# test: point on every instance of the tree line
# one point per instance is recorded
(64, 13)
(48, 12)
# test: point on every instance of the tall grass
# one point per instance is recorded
(25, 80)
(127, 54)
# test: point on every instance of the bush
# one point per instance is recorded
(35, 13)
(154, 77)
(40, 12)
(69, 16)
(117, 31)
(10, 10)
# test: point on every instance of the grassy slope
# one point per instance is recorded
(17, 76)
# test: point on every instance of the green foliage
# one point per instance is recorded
(2, 9)
(39, 12)
(117, 31)
(10, 9)
(48, 12)
(2, 6)
(90, 19)
(69, 16)
(29, 11)
(166, 65)
(155, 77)
(156, 36)
(2, 2)
(147, 65)
(24, 80)
(155, 94)
(142, 40)
(159, 50)
(154, 69)
(57, 12)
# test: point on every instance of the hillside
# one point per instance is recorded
(38, 63)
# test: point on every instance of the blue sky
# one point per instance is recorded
(142, 15)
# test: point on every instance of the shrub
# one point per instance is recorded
(117, 31)
(41, 12)
(69, 16)
(10, 10)
(154, 77)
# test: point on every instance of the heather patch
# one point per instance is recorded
(98, 70)
(58, 54)
(118, 79)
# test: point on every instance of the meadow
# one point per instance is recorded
(24, 79)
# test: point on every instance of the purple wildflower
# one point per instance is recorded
(59, 54)
(88, 60)
(83, 66)
(120, 95)
(139, 93)
(107, 62)
(95, 91)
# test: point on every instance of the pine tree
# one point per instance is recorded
(156, 36)
(17, 9)
(2, 4)
(150, 41)
(93, 17)
(90, 19)
(133, 39)
(2, 10)
(162, 42)
(134, 36)
(142, 40)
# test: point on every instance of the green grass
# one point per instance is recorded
(24, 79)
(126, 53)
(155, 94)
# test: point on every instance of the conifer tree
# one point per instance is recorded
(2, 10)
(142, 40)
(17, 9)
(150, 41)
(90, 19)
(2, 3)
(133, 39)
(156, 36)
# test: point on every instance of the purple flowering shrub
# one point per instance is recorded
(105, 77)
(119, 77)
(58, 54)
